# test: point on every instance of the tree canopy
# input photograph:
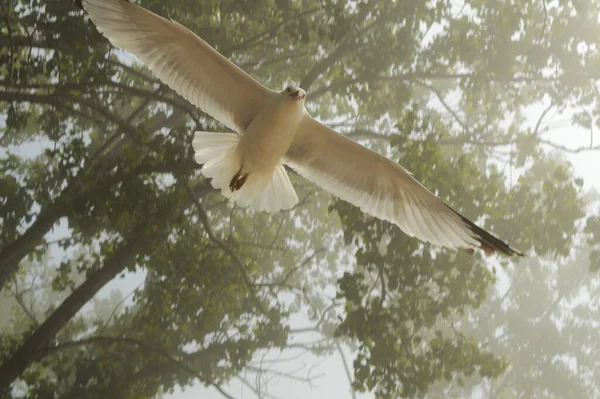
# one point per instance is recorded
(97, 181)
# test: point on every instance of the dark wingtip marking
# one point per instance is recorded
(487, 242)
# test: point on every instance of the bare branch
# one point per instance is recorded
(28, 312)
(236, 260)
(541, 118)
(253, 41)
(288, 375)
(441, 99)
(286, 277)
(575, 150)
(414, 76)
(343, 47)
(346, 367)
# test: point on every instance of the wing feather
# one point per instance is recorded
(383, 189)
(181, 60)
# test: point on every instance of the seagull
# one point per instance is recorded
(272, 129)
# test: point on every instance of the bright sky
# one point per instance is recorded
(333, 382)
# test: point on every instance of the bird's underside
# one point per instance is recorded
(247, 167)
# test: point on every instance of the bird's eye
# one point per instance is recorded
(288, 89)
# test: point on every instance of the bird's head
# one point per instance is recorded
(294, 93)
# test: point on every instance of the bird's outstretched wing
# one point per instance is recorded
(182, 60)
(383, 188)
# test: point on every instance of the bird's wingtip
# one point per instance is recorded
(487, 242)
(503, 250)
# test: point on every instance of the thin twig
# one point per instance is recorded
(236, 260)
(19, 298)
(346, 367)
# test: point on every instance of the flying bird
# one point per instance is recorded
(273, 129)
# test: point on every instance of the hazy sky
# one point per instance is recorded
(333, 381)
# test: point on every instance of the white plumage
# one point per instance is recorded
(273, 128)
(271, 191)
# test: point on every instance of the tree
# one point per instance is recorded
(546, 328)
(444, 90)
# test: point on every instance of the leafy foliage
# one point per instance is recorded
(99, 150)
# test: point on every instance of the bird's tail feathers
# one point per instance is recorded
(269, 190)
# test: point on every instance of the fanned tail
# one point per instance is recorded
(269, 190)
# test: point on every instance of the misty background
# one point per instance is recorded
(123, 274)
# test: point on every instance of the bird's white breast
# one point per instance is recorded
(270, 134)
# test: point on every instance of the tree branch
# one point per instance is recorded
(286, 277)
(13, 252)
(32, 349)
(236, 260)
(345, 45)
(19, 298)
(414, 76)
(137, 343)
(62, 89)
(441, 99)
(346, 368)
(252, 41)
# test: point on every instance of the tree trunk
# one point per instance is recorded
(12, 254)
(35, 347)
(32, 348)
